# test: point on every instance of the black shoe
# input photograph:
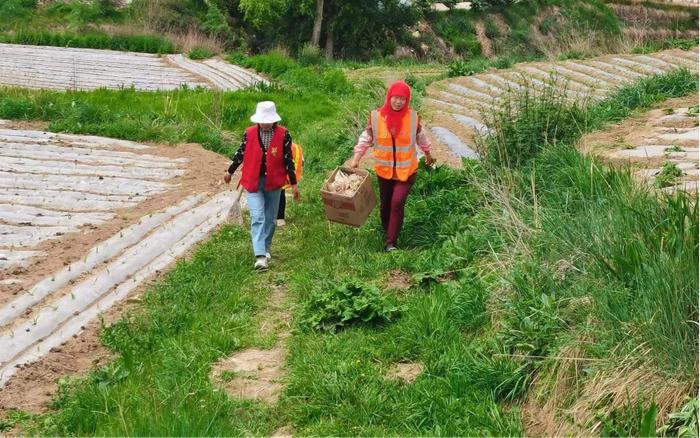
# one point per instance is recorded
(390, 247)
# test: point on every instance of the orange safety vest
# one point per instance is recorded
(395, 157)
(298, 157)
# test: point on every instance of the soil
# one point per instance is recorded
(33, 386)
(203, 175)
(406, 372)
(252, 374)
(486, 46)
(255, 373)
(399, 279)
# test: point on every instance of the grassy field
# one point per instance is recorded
(534, 255)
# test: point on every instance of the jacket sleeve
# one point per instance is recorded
(237, 158)
(288, 158)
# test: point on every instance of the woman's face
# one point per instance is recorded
(266, 126)
(397, 102)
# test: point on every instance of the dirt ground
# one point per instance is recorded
(32, 387)
(643, 130)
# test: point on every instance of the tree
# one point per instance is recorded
(350, 28)
(318, 21)
(358, 28)
(263, 13)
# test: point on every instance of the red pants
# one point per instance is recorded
(392, 200)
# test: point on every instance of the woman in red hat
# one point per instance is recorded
(394, 131)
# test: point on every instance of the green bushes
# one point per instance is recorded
(272, 63)
(463, 67)
(673, 43)
(310, 55)
(289, 72)
(200, 53)
(605, 257)
(16, 9)
(80, 13)
(667, 176)
(530, 122)
(443, 198)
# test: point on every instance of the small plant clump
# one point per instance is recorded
(200, 53)
(668, 174)
(352, 303)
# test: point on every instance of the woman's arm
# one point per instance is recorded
(236, 160)
(363, 143)
(288, 158)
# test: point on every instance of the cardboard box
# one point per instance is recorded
(349, 210)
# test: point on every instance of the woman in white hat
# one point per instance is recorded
(266, 155)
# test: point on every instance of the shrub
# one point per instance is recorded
(200, 53)
(215, 24)
(16, 9)
(528, 122)
(310, 55)
(352, 303)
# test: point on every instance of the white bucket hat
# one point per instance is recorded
(265, 112)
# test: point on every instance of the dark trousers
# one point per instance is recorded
(392, 200)
(283, 205)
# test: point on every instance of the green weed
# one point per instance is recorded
(668, 175)
(335, 307)
(683, 423)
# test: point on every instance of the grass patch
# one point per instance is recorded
(673, 43)
(200, 53)
(90, 39)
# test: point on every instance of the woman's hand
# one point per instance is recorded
(355, 163)
(227, 178)
(296, 192)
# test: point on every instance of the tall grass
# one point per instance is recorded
(532, 121)
(592, 235)
(90, 39)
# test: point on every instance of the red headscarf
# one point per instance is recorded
(393, 118)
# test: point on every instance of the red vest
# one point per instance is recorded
(276, 174)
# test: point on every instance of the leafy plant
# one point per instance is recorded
(683, 423)
(459, 67)
(668, 174)
(335, 308)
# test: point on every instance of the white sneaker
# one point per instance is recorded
(268, 256)
(281, 222)
(261, 263)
